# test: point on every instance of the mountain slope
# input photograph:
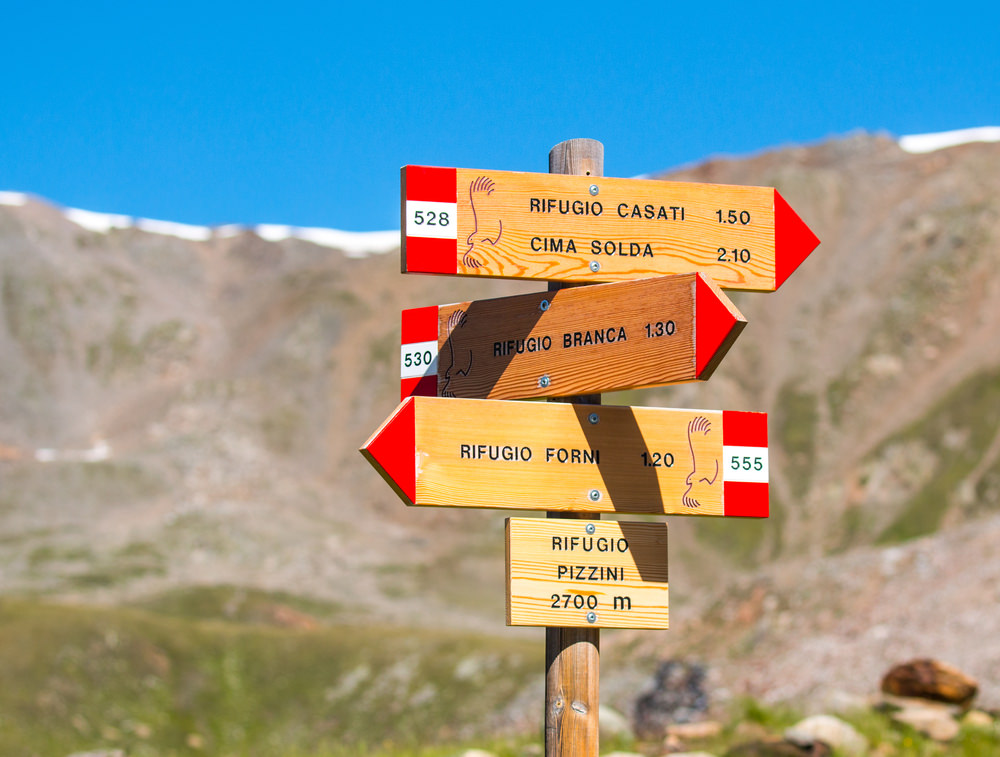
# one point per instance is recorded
(188, 411)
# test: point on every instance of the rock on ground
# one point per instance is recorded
(830, 730)
(678, 696)
(934, 722)
(779, 748)
(930, 679)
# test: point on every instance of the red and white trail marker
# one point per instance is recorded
(477, 222)
(437, 451)
(581, 340)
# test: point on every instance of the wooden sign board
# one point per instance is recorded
(474, 222)
(581, 340)
(586, 574)
(437, 451)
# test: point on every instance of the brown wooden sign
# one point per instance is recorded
(438, 451)
(580, 340)
(586, 574)
(475, 222)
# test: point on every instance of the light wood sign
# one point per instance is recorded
(580, 340)
(437, 451)
(586, 574)
(505, 224)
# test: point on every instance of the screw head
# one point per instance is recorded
(543, 305)
(594, 189)
(595, 266)
(593, 418)
(595, 495)
(591, 617)
(544, 382)
(591, 528)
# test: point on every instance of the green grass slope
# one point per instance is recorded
(85, 678)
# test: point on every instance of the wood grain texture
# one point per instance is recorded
(572, 691)
(637, 460)
(590, 339)
(572, 655)
(559, 574)
(552, 227)
(581, 157)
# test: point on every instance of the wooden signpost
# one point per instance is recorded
(664, 320)
(476, 222)
(582, 340)
(586, 574)
(437, 451)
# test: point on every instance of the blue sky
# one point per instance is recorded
(302, 113)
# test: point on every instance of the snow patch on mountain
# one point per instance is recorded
(921, 143)
(354, 244)
(171, 229)
(15, 199)
(99, 222)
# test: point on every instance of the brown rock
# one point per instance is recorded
(705, 729)
(779, 748)
(930, 679)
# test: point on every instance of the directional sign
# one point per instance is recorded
(474, 222)
(586, 574)
(440, 451)
(580, 340)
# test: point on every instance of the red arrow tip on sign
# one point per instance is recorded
(391, 451)
(793, 240)
(717, 323)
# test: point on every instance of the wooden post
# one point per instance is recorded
(572, 655)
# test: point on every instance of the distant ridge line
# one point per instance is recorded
(354, 244)
(359, 244)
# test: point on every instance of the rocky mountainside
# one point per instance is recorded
(178, 411)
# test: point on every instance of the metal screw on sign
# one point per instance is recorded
(595, 495)
(544, 382)
(593, 418)
(543, 305)
(594, 189)
(591, 528)
(591, 617)
(595, 266)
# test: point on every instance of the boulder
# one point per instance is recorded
(678, 696)
(930, 679)
(705, 729)
(934, 722)
(779, 748)
(830, 730)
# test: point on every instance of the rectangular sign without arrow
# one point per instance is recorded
(475, 222)
(586, 574)
(580, 340)
(438, 451)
